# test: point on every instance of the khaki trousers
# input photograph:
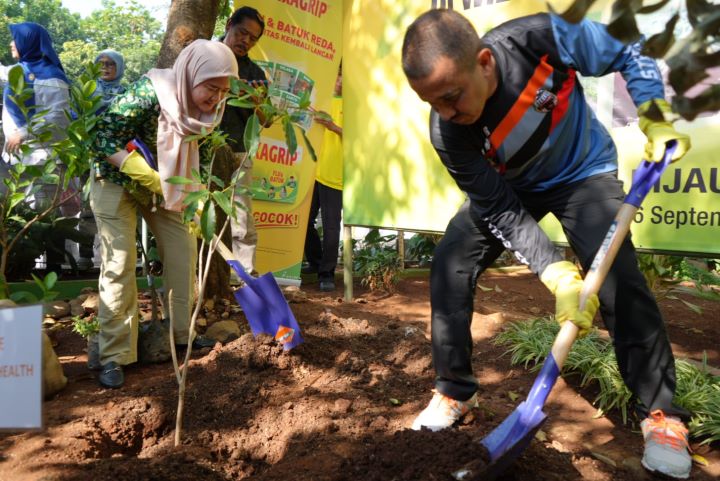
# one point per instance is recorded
(116, 216)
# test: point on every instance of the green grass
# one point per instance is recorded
(594, 360)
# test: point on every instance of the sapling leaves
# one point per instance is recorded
(241, 102)
(208, 221)
(251, 136)
(178, 180)
(290, 137)
(222, 199)
(308, 146)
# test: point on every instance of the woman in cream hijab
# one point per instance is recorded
(162, 109)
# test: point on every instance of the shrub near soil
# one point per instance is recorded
(593, 358)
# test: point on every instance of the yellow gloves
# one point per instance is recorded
(564, 281)
(660, 131)
(138, 170)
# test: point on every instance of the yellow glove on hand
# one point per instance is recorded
(660, 131)
(138, 170)
(564, 281)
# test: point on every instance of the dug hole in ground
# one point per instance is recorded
(337, 407)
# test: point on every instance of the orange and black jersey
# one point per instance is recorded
(537, 131)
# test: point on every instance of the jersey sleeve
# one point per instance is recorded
(494, 205)
(587, 47)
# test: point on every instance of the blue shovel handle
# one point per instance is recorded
(647, 174)
(137, 144)
(240, 271)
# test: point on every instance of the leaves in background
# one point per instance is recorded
(697, 10)
(653, 8)
(622, 23)
(576, 12)
(689, 108)
(659, 44)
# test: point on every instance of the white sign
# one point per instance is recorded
(21, 367)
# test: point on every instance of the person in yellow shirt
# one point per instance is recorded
(322, 256)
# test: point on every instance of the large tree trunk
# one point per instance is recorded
(218, 282)
(188, 20)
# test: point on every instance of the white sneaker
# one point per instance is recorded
(443, 412)
(666, 445)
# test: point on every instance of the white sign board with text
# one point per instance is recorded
(21, 367)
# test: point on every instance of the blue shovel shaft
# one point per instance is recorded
(508, 440)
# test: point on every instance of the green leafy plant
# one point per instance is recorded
(593, 358)
(44, 285)
(655, 267)
(38, 239)
(665, 273)
(689, 271)
(421, 247)
(377, 261)
(85, 326)
(24, 182)
(290, 117)
(704, 284)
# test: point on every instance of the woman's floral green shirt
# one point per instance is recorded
(133, 114)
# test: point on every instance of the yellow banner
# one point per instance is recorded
(394, 179)
(300, 51)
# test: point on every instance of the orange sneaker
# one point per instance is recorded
(666, 445)
(443, 412)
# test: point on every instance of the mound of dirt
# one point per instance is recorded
(338, 406)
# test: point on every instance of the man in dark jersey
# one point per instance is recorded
(242, 31)
(510, 123)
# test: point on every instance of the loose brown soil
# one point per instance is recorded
(338, 406)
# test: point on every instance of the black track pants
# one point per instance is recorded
(585, 209)
(323, 254)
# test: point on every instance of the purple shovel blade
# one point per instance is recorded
(507, 441)
(266, 308)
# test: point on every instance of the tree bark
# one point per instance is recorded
(188, 20)
(218, 281)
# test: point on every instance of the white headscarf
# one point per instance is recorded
(179, 117)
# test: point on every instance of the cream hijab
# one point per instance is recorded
(179, 117)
